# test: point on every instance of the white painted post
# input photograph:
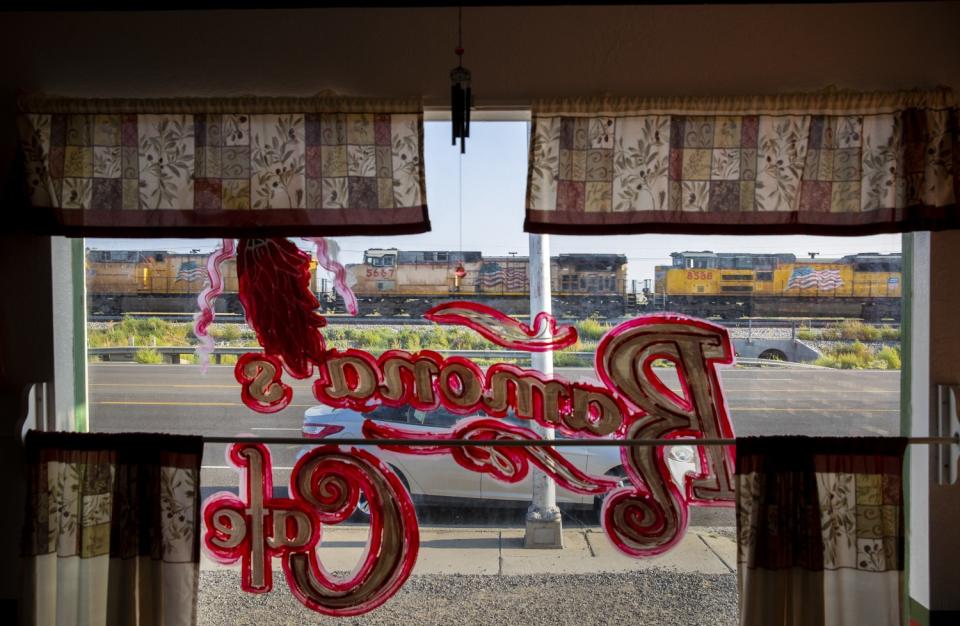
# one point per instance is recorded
(544, 527)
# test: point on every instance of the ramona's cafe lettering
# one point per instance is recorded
(644, 518)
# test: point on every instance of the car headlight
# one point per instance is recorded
(681, 454)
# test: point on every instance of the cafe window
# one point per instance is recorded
(807, 346)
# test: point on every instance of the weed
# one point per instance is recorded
(591, 328)
(890, 356)
(148, 356)
(889, 333)
(860, 356)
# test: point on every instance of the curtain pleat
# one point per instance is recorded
(820, 530)
(111, 527)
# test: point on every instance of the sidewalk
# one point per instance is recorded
(493, 552)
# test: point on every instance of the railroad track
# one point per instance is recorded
(333, 319)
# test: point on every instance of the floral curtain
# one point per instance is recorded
(111, 526)
(820, 530)
(831, 163)
(153, 168)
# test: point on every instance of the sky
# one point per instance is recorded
(488, 214)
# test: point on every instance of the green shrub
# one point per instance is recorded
(568, 359)
(436, 338)
(855, 329)
(805, 334)
(409, 339)
(890, 356)
(830, 334)
(591, 328)
(860, 356)
(228, 359)
(826, 360)
(889, 333)
(860, 351)
(148, 356)
(849, 361)
(226, 332)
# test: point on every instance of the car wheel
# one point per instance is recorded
(618, 472)
(362, 512)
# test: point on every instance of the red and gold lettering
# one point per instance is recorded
(262, 390)
(645, 518)
(325, 486)
(651, 516)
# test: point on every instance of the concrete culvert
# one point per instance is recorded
(773, 355)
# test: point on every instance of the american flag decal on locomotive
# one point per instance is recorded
(512, 278)
(190, 271)
(807, 277)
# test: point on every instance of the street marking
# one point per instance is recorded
(819, 391)
(166, 403)
(183, 386)
(230, 467)
(815, 410)
(157, 403)
(198, 404)
(129, 364)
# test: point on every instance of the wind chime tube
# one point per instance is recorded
(455, 99)
(467, 103)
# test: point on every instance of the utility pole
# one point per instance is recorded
(544, 527)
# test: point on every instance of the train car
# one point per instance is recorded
(394, 282)
(733, 285)
(152, 281)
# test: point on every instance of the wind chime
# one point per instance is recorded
(461, 97)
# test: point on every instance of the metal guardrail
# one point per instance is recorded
(171, 354)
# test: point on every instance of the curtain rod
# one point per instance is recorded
(518, 442)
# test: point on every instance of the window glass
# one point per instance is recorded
(814, 323)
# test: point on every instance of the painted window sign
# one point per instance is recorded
(645, 517)
(325, 486)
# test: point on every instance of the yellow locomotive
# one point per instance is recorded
(734, 285)
(396, 282)
(153, 281)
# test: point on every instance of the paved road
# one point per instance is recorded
(180, 399)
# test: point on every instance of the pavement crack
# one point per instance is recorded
(586, 537)
(716, 554)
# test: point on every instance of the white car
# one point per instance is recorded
(438, 477)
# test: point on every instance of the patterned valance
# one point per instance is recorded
(829, 163)
(224, 167)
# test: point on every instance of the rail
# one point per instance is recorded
(376, 320)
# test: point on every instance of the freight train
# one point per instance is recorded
(391, 282)
(734, 285)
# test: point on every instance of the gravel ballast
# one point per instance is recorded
(656, 596)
